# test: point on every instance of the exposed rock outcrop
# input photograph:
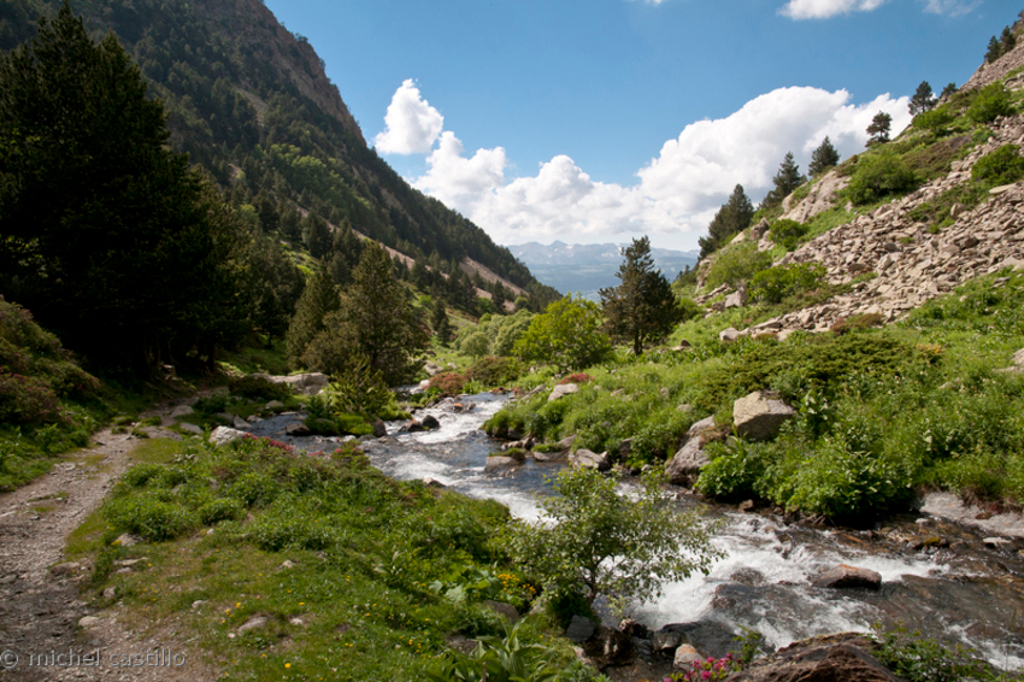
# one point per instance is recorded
(759, 417)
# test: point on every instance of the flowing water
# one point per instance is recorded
(951, 587)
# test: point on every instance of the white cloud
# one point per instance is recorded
(411, 125)
(823, 9)
(953, 8)
(677, 192)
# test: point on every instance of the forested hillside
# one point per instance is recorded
(251, 103)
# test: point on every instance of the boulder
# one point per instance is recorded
(839, 658)
(684, 657)
(223, 434)
(588, 459)
(506, 611)
(845, 576)
(297, 429)
(182, 411)
(194, 429)
(239, 423)
(580, 629)
(563, 390)
(498, 463)
(380, 429)
(758, 417)
(690, 459)
(736, 299)
(609, 646)
(430, 422)
(729, 335)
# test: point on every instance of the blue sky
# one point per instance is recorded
(599, 120)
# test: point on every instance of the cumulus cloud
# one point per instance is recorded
(823, 9)
(952, 8)
(676, 193)
(411, 125)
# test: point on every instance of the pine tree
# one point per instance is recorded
(785, 181)
(947, 91)
(642, 308)
(732, 218)
(105, 234)
(441, 324)
(923, 100)
(995, 50)
(319, 298)
(823, 158)
(1007, 40)
(879, 128)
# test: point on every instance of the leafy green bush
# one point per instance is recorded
(734, 471)
(221, 509)
(934, 120)
(567, 335)
(260, 388)
(1002, 167)
(447, 384)
(493, 371)
(918, 659)
(737, 265)
(878, 176)
(991, 102)
(787, 233)
(776, 283)
(149, 517)
(213, 403)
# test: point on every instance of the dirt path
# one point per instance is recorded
(42, 636)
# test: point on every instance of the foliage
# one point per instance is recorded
(776, 283)
(491, 371)
(878, 129)
(498, 659)
(934, 119)
(360, 389)
(567, 335)
(475, 344)
(997, 47)
(731, 219)
(601, 545)
(923, 99)
(879, 176)
(709, 669)
(787, 233)
(319, 298)
(259, 388)
(917, 659)
(441, 324)
(990, 103)
(824, 157)
(447, 384)
(786, 180)
(737, 265)
(1001, 167)
(642, 308)
(108, 236)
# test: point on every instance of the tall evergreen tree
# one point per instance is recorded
(785, 181)
(319, 298)
(923, 99)
(440, 322)
(995, 50)
(947, 91)
(1007, 41)
(824, 157)
(105, 234)
(879, 128)
(642, 308)
(733, 217)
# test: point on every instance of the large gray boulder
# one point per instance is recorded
(759, 417)
(845, 576)
(685, 466)
(563, 390)
(844, 658)
(588, 459)
(223, 434)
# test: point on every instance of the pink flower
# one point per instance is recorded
(706, 675)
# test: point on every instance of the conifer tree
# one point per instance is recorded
(923, 100)
(823, 158)
(319, 298)
(441, 324)
(995, 50)
(879, 128)
(785, 181)
(733, 217)
(642, 308)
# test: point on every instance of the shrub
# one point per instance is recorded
(149, 517)
(578, 378)
(787, 233)
(475, 345)
(857, 323)
(566, 335)
(260, 388)
(917, 659)
(447, 383)
(26, 399)
(991, 102)
(213, 403)
(1002, 167)
(493, 371)
(737, 265)
(775, 284)
(934, 120)
(221, 509)
(876, 177)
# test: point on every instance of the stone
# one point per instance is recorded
(127, 540)
(634, 628)
(844, 657)
(310, 383)
(239, 423)
(286, 564)
(430, 422)
(254, 623)
(588, 459)
(223, 434)
(759, 417)
(88, 621)
(609, 646)
(686, 465)
(433, 483)
(563, 390)
(194, 429)
(684, 657)
(506, 611)
(729, 335)
(297, 429)
(380, 429)
(580, 629)
(845, 576)
(65, 570)
(683, 345)
(499, 463)
(736, 299)
(666, 639)
(182, 411)
(110, 593)
(997, 542)
(274, 405)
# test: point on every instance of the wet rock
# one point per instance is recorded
(684, 657)
(297, 429)
(580, 629)
(759, 417)
(634, 629)
(666, 639)
(380, 429)
(729, 595)
(588, 459)
(223, 434)
(845, 576)
(563, 390)
(608, 646)
(748, 576)
(506, 611)
(690, 459)
(430, 422)
(829, 658)
(499, 463)
(997, 542)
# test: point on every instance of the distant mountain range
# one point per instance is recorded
(586, 268)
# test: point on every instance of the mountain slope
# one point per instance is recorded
(252, 104)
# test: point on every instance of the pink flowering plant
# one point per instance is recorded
(708, 670)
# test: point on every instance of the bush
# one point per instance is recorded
(876, 177)
(26, 399)
(447, 383)
(213, 403)
(1002, 167)
(260, 388)
(858, 322)
(221, 509)
(787, 233)
(991, 102)
(934, 120)
(149, 517)
(492, 371)
(566, 335)
(737, 265)
(475, 345)
(775, 284)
